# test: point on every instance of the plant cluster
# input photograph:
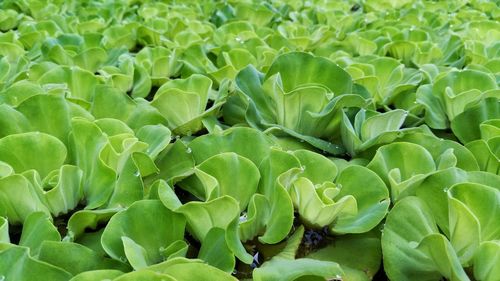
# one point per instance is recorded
(251, 140)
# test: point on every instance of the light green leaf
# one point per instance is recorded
(215, 252)
(161, 190)
(466, 125)
(247, 142)
(485, 261)
(400, 164)
(316, 206)
(284, 266)
(99, 177)
(38, 151)
(358, 255)
(38, 228)
(183, 100)
(406, 225)
(14, 261)
(75, 258)
(465, 232)
(440, 251)
(372, 200)
(254, 221)
(177, 249)
(222, 212)
(174, 163)
(156, 136)
(490, 129)
(49, 114)
(301, 69)
(4, 230)
(62, 189)
(378, 124)
(487, 154)
(182, 269)
(236, 176)
(437, 147)
(316, 167)
(87, 219)
(145, 216)
(281, 212)
(12, 121)
(144, 275)
(19, 199)
(93, 275)
(136, 255)
(483, 203)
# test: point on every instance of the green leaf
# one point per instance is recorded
(408, 223)
(435, 115)
(177, 249)
(93, 275)
(486, 154)
(222, 212)
(400, 164)
(482, 202)
(129, 186)
(372, 200)
(236, 176)
(379, 124)
(466, 125)
(247, 142)
(48, 114)
(20, 91)
(310, 163)
(38, 228)
(4, 230)
(281, 207)
(437, 147)
(136, 255)
(156, 136)
(174, 163)
(490, 129)
(434, 188)
(75, 258)
(465, 233)
(254, 221)
(358, 255)
(300, 69)
(12, 121)
(87, 219)
(99, 177)
(436, 247)
(161, 190)
(284, 266)
(215, 252)
(162, 228)
(316, 205)
(19, 199)
(81, 83)
(144, 275)
(14, 261)
(63, 189)
(38, 151)
(486, 259)
(182, 269)
(183, 100)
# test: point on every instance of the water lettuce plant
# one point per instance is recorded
(349, 140)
